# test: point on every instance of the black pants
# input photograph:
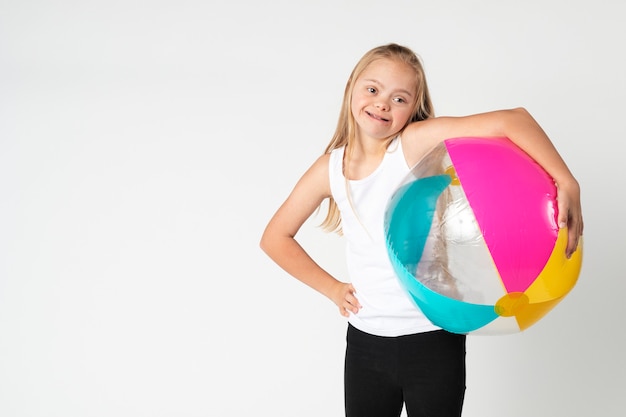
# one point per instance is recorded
(425, 371)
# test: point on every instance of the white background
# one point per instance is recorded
(144, 145)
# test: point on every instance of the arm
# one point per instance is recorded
(519, 126)
(278, 240)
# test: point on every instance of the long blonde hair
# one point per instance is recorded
(346, 125)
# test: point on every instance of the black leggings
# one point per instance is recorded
(425, 371)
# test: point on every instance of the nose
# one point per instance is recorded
(382, 105)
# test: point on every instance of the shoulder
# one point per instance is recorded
(419, 138)
(316, 179)
(321, 163)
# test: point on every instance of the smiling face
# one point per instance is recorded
(383, 98)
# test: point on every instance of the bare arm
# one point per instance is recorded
(279, 242)
(519, 126)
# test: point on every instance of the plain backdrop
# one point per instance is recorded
(144, 145)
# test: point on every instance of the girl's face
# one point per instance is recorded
(383, 98)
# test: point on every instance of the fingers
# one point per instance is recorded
(349, 303)
(570, 217)
(572, 242)
(574, 225)
(574, 235)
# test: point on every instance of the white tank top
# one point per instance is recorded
(387, 310)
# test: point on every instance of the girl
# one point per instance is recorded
(394, 355)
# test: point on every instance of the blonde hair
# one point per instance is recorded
(346, 125)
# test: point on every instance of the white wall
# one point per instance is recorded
(145, 144)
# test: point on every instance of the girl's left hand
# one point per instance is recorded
(570, 214)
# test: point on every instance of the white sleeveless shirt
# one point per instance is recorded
(387, 310)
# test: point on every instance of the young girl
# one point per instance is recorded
(394, 355)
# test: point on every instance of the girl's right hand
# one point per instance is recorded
(343, 295)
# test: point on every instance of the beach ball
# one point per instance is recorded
(473, 237)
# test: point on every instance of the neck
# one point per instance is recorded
(363, 157)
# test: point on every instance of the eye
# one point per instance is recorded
(399, 100)
(371, 90)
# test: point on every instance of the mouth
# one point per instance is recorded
(376, 117)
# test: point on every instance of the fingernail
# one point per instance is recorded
(562, 225)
